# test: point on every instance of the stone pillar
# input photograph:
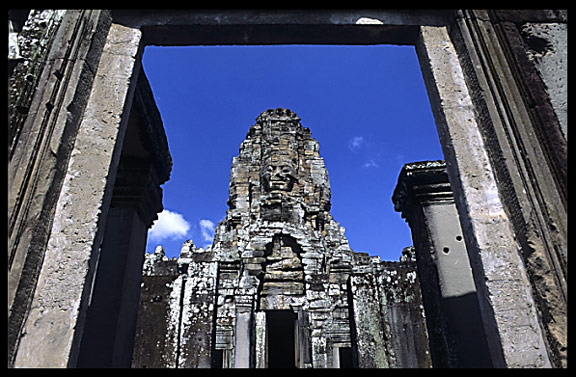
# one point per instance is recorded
(242, 344)
(335, 356)
(198, 306)
(48, 95)
(371, 344)
(508, 309)
(520, 116)
(302, 339)
(261, 336)
(110, 324)
(108, 339)
(457, 335)
(54, 326)
(319, 348)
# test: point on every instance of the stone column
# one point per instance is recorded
(319, 348)
(108, 339)
(198, 306)
(335, 356)
(242, 346)
(508, 310)
(501, 53)
(457, 335)
(302, 339)
(261, 336)
(54, 326)
(52, 88)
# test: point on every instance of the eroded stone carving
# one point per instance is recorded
(280, 254)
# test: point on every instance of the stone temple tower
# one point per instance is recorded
(280, 231)
(280, 286)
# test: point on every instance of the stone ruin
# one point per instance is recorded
(280, 286)
(87, 153)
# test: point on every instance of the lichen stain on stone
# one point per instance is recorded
(279, 248)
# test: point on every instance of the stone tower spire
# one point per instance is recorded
(280, 286)
(278, 180)
(278, 243)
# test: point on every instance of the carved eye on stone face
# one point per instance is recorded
(286, 170)
(282, 173)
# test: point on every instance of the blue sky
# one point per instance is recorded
(366, 105)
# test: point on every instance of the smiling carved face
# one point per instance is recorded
(278, 176)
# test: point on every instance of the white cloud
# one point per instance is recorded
(371, 164)
(207, 228)
(356, 143)
(170, 225)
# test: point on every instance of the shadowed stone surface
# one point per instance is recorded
(279, 250)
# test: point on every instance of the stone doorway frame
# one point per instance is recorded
(488, 231)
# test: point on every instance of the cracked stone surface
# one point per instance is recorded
(280, 249)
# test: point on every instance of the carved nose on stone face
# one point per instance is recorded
(278, 173)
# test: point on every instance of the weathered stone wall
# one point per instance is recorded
(198, 305)
(409, 338)
(159, 313)
(516, 73)
(496, 80)
(176, 316)
(390, 330)
(279, 250)
(49, 89)
(544, 43)
(63, 180)
(29, 45)
(380, 315)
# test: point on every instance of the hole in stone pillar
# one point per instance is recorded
(458, 238)
(281, 347)
(538, 45)
(446, 250)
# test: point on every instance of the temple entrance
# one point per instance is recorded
(345, 357)
(281, 339)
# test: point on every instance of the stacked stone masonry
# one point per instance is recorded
(280, 251)
(88, 153)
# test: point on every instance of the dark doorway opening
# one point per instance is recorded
(345, 354)
(281, 347)
(218, 359)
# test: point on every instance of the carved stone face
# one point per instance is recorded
(278, 176)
